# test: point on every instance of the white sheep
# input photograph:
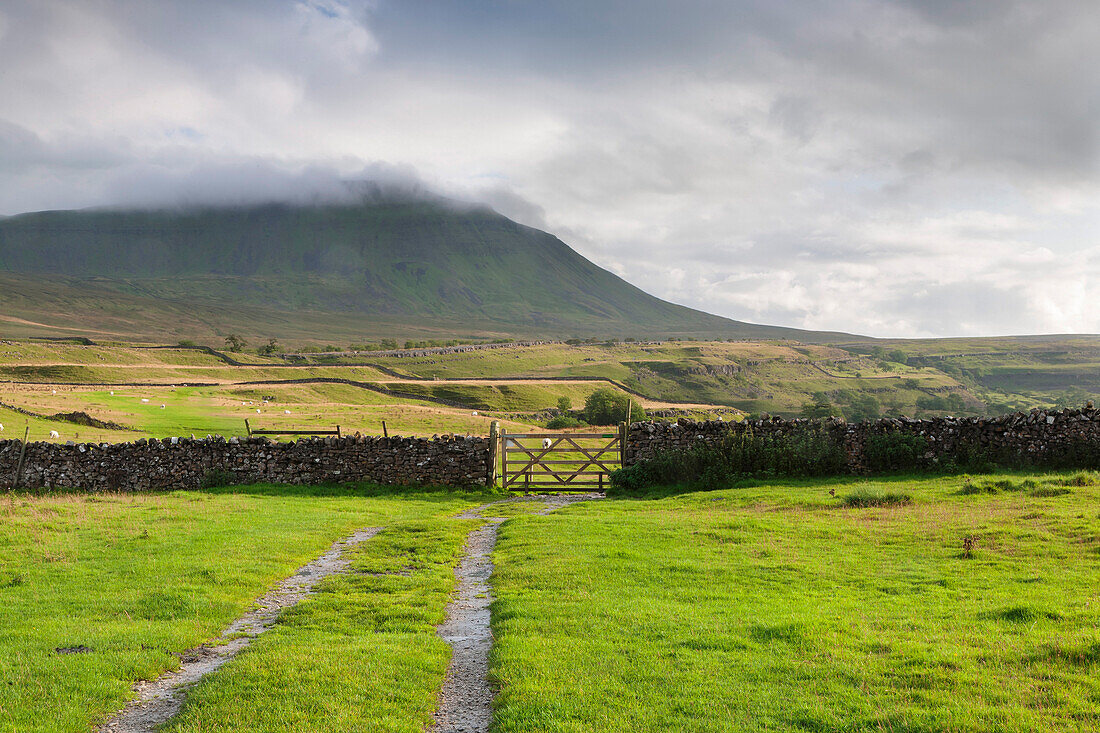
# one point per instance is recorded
(162, 407)
(1, 427)
(257, 412)
(546, 442)
(55, 434)
(286, 412)
(143, 399)
(112, 392)
(474, 413)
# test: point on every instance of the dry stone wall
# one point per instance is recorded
(182, 463)
(1036, 438)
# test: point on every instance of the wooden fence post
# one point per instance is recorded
(385, 433)
(623, 429)
(248, 427)
(494, 439)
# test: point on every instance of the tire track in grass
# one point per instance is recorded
(162, 698)
(465, 702)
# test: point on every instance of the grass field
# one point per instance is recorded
(901, 604)
(784, 608)
(224, 409)
(141, 578)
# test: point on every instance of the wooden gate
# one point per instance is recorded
(556, 462)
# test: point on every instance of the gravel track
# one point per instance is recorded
(465, 702)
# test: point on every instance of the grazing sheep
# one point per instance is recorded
(112, 392)
(144, 400)
(546, 442)
(286, 412)
(1, 427)
(257, 412)
(474, 413)
(162, 407)
(55, 434)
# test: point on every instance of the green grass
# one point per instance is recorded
(15, 422)
(139, 578)
(362, 655)
(779, 608)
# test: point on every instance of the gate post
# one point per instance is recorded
(494, 439)
(623, 429)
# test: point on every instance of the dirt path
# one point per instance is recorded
(466, 698)
(159, 700)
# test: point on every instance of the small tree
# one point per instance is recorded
(271, 347)
(819, 407)
(565, 404)
(605, 406)
(862, 407)
(235, 343)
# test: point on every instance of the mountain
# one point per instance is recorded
(397, 267)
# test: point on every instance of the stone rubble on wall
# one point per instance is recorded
(182, 463)
(1038, 434)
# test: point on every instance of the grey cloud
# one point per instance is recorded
(21, 149)
(258, 180)
(962, 308)
(764, 160)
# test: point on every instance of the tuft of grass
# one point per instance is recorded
(991, 486)
(1023, 614)
(866, 497)
(1081, 479)
(1050, 491)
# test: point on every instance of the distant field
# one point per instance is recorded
(223, 411)
(779, 608)
(438, 393)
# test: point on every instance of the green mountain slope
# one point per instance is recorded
(409, 266)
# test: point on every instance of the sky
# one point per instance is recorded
(884, 167)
